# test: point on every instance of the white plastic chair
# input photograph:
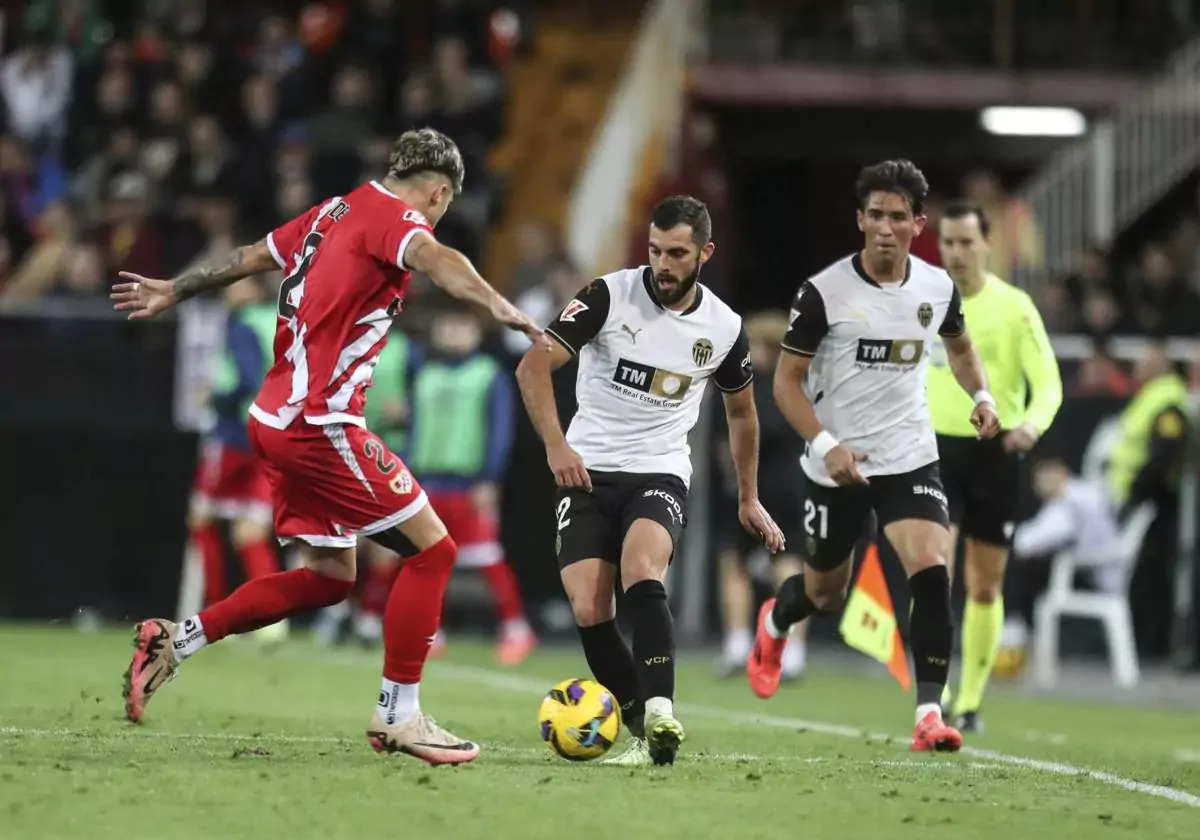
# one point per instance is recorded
(1112, 610)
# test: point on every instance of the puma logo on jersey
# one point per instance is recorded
(571, 310)
(633, 334)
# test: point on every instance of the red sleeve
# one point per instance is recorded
(286, 239)
(387, 243)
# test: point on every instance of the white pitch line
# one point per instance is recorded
(515, 683)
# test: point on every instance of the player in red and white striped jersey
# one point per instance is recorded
(347, 265)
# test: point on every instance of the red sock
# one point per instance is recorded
(414, 611)
(259, 559)
(377, 587)
(207, 540)
(265, 600)
(506, 595)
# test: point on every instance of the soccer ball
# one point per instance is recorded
(580, 719)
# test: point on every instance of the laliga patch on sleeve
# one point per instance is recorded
(416, 217)
(572, 309)
(1169, 425)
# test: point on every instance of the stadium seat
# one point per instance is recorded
(1111, 609)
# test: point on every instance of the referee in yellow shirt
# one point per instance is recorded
(981, 476)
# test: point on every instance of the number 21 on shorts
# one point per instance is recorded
(816, 519)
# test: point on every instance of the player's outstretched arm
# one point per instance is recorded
(452, 272)
(971, 377)
(144, 297)
(537, 392)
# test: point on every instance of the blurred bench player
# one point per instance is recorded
(648, 340)
(231, 483)
(981, 477)
(347, 265)
(852, 382)
(462, 413)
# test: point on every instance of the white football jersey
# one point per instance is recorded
(869, 346)
(643, 369)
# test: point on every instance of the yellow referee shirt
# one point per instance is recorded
(1011, 340)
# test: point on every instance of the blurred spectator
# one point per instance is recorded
(1102, 376)
(1015, 238)
(128, 237)
(536, 243)
(543, 302)
(341, 128)
(78, 25)
(1091, 273)
(84, 275)
(36, 82)
(121, 155)
(27, 185)
(47, 260)
(1164, 304)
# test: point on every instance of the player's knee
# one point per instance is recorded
(985, 592)
(592, 607)
(248, 532)
(638, 567)
(828, 600)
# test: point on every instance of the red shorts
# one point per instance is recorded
(477, 533)
(329, 483)
(231, 484)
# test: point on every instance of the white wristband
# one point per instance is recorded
(822, 443)
(983, 396)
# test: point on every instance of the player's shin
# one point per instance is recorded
(932, 635)
(792, 605)
(259, 603)
(613, 667)
(982, 625)
(411, 620)
(653, 644)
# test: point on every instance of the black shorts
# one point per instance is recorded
(981, 482)
(594, 524)
(787, 509)
(835, 517)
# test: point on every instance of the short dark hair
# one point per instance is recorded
(962, 209)
(425, 151)
(684, 210)
(893, 176)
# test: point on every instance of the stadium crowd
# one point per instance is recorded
(142, 136)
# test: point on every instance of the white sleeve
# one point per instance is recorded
(1051, 530)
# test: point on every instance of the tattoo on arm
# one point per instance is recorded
(243, 262)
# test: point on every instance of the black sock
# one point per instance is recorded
(932, 631)
(653, 638)
(792, 604)
(613, 667)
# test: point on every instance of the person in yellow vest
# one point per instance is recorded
(230, 483)
(1145, 465)
(981, 476)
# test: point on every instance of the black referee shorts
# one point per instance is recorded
(981, 481)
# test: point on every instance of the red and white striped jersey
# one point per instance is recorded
(344, 281)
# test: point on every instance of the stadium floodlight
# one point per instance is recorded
(1013, 121)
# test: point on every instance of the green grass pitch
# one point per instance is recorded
(246, 744)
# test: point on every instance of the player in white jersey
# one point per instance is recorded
(852, 383)
(648, 341)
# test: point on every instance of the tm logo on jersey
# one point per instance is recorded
(889, 354)
(648, 384)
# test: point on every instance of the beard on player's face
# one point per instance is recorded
(670, 289)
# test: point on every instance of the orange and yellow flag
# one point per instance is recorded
(869, 620)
